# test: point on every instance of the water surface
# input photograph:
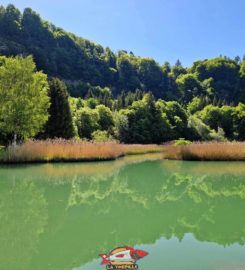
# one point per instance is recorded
(187, 215)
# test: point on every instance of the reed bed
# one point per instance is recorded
(208, 151)
(59, 150)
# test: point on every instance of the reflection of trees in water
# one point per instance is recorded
(212, 208)
(62, 173)
(91, 213)
(23, 215)
(142, 202)
(93, 191)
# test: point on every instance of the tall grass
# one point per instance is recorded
(216, 151)
(70, 150)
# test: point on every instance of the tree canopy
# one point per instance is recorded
(99, 94)
(24, 101)
(88, 68)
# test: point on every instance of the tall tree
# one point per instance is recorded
(24, 101)
(59, 124)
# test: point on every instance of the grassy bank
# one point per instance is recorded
(71, 150)
(208, 151)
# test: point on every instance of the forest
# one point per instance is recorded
(78, 89)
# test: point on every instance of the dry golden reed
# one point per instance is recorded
(71, 150)
(216, 151)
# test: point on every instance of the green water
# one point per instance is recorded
(187, 215)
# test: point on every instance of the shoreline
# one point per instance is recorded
(65, 151)
(62, 151)
(66, 161)
(206, 151)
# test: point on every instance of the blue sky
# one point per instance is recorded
(165, 30)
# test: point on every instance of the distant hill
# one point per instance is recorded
(86, 66)
(62, 54)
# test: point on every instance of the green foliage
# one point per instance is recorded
(177, 118)
(240, 122)
(125, 100)
(121, 129)
(151, 76)
(87, 122)
(127, 71)
(59, 124)
(93, 71)
(182, 141)
(91, 103)
(101, 136)
(109, 91)
(225, 75)
(203, 132)
(145, 122)
(189, 87)
(228, 119)
(24, 101)
(197, 104)
(211, 115)
(220, 117)
(105, 117)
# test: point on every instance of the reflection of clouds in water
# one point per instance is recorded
(187, 254)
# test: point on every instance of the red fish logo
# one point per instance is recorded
(123, 258)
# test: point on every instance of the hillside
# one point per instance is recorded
(88, 67)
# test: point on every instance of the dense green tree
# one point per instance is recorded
(105, 120)
(101, 136)
(59, 124)
(126, 99)
(240, 122)
(241, 94)
(189, 87)
(211, 115)
(121, 129)
(225, 75)
(200, 130)
(151, 76)
(91, 103)
(228, 119)
(145, 122)
(87, 122)
(24, 101)
(127, 71)
(10, 21)
(220, 117)
(178, 70)
(177, 118)
(197, 104)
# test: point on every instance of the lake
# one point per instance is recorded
(187, 215)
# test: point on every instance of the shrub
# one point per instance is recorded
(101, 136)
(182, 141)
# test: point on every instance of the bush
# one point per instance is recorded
(182, 141)
(101, 136)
